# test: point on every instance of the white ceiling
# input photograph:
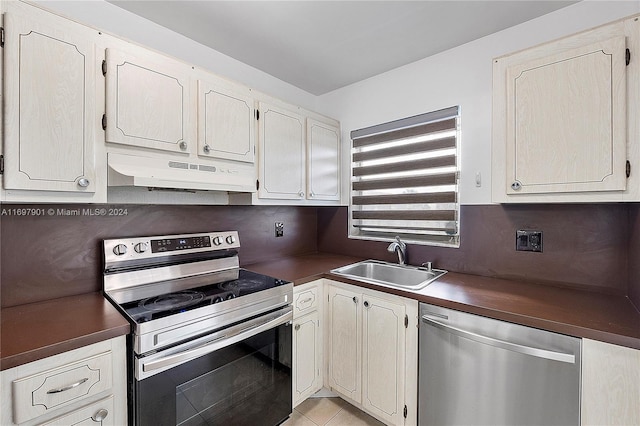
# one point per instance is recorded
(320, 46)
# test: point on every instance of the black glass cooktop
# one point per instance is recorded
(164, 305)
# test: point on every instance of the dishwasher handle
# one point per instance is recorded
(527, 350)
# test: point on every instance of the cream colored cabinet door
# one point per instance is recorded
(281, 143)
(566, 121)
(565, 118)
(226, 123)
(306, 357)
(323, 157)
(149, 101)
(383, 358)
(345, 342)
(50, 104)
(610, 384)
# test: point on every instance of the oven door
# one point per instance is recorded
(238, 376)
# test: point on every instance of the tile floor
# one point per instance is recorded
(329, 412)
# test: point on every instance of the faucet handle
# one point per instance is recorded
(400, 242)
(428, 265)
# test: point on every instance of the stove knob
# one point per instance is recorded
(217, 299)
(141, 247)
(230, 239)
(217, 241)
(230, 296)
(120, 249)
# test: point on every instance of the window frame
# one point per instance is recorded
(423, 235)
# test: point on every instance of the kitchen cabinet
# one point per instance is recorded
(372, 350)
(323, 158)
(51, 68)
(298, 157)
(610, 384)
(281, 141)
(84, 384)
(307, 340)
(226, 121)
(564, 118)
(149, 101)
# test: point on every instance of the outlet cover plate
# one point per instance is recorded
(528, 240)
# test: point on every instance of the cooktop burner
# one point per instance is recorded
(164, 305)
(181, 299)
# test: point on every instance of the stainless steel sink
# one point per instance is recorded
(403, 277)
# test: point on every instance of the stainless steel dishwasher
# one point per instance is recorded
(480, 371)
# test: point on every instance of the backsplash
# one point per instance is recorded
(58, 252)
(590, 246)
(584, 245)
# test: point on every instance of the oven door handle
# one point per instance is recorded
(235, 335)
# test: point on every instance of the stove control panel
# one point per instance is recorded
(123, 249)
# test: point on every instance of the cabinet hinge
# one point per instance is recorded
(1, 164)
(628, 168)
(104, 67)
(257, 185)
(405, 411)
(406, 321)
(1, 36)
(627, 56)
(104, 121)
(257, 114)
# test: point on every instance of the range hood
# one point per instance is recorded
(156, 172)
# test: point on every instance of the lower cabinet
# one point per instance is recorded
(82, 386)
(610, 384)
(307, 340)
(372, 351)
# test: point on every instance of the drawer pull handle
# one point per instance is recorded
(307, 300)
(100, 415)
(71, 386)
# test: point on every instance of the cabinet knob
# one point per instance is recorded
(100, 415)
(355, 299)
(297, 327)
(83, 182)
(183, 145)
(301, 194)
(366, 304)
(516, 185)
(312, 195)
(206, 149)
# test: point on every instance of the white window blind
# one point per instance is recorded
(405, 180)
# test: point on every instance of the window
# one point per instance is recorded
(405, 180)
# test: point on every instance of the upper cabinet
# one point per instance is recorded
(298, 157)
(50, 109)
(323, 161)
(565, 119)
(282, 153)
(226, 122)
(84, 110)
(149, 101)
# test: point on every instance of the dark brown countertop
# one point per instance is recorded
(38, 330)
(597, 316)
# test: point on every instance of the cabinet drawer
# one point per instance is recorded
(305, 301)
(55, 388)
(99, 413)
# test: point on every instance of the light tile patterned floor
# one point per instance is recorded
(329, 412)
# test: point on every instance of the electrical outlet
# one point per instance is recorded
(527, 240)
(279, 229)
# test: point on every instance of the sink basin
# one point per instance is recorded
(403, 277)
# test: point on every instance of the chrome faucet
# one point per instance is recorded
(399, 247)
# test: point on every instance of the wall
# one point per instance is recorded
(460, 76)
(587, 249)
(55, 254)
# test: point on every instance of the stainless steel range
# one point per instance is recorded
(211, 342)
